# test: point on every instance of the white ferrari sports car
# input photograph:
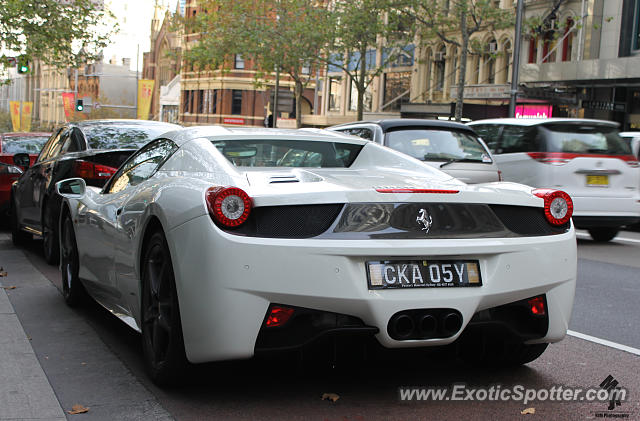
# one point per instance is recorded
(219, 243)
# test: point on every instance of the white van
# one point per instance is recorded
(586, 158)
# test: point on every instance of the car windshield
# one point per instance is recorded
(288, 153)
(122, 136)
(437, 145)
(23, 144)
(585, 139)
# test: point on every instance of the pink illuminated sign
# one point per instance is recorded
(533, 111)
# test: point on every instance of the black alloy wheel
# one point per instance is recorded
(50, 245)
(72, 289)
(162, 339)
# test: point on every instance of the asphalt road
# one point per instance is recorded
(92, 359)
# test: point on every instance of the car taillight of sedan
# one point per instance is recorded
(91, 171)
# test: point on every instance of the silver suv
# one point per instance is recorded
(586, 158)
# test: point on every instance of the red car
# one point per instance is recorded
(11, 144)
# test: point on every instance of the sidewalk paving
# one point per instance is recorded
(51, 358)
(25, 391)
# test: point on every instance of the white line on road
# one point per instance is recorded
(604, 342)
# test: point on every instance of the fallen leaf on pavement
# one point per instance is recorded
(528, 411)
(2, 272)
(330, 397)
(11, 287)
(78, 409)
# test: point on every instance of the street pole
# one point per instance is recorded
(516, 59)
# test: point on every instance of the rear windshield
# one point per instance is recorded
(585, 139)
(23, 144)
(437, 145)
(287, 153)
(123, 136)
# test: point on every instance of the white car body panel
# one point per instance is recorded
(225, 282)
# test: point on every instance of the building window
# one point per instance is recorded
(440, 65)
(396, 90)
(454, 68)
(567, 42)
(209, 101)
(429, 61)
(353, 99)
(533, 50)
(236, 101)
(187, 104)
(507, 61)
(334, 93)
(548, 47)
(239, 62)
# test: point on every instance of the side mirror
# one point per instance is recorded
(22, 160)
(71, 188)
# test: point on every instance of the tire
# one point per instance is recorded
(162, 339)
(18, 237)
(603, 235)
(50, 244)
(73, 291)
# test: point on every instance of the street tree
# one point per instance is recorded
(454, 22)
(367, 38)
(60, 33)
(286, 36)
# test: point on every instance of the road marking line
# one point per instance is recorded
(604, 342)
(587, 236)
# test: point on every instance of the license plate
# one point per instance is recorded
(598, 180)
(423, 274)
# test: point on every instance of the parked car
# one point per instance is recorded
(448, 146)
(92, 150)
(586, 158)
(633, 138)
(11, 144)
(220, 243)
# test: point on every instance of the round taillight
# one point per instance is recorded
(228, 206)
(558, 206)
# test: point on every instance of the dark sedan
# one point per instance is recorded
(92, 150)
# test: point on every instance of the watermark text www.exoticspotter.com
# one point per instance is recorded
(517, 393)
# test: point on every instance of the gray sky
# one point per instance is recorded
(134, 18)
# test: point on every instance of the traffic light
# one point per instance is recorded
(79, 105)
(23, 65)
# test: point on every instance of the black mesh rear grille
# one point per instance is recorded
(295, 221)
(525, 220)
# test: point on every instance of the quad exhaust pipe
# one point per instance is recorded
(424, 324)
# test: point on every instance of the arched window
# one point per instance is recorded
(453, 80)
(533, 49)
(567, 42)
(506, 63)
(428, 70)
(476, 69)
(549, 42)
(440, 57)
(489, 61)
